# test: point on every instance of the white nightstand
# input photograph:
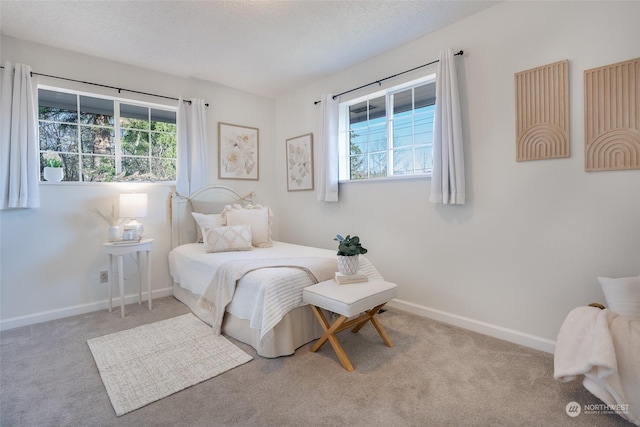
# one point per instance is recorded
(116, 252)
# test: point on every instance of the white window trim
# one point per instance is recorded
(111, 97)
(343, 125)
(118, 156)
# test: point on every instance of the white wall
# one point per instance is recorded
(50, 257)
(524, 250)
(533, 237)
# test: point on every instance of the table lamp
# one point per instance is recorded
(133, 205)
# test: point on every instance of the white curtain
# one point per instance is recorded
(447, 180)
(326, 150)
(19, 158)
(191, 173)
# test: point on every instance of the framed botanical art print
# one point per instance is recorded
(300, 163)
(237, 152)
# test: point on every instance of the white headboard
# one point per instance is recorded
(211, 199)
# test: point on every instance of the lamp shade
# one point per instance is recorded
(133, 205)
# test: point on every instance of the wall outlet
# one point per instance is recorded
(104, 276)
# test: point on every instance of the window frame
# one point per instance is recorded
(344, 163)
(117, 128)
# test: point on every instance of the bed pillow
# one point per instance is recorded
(258, 217)
(622, 295)
(228, 238)
(206, 220)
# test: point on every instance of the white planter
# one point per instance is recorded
(348, 265)
(53, 174)
(114, 233)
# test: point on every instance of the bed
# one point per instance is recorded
(264, 306)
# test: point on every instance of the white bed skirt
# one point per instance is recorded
(296, 329)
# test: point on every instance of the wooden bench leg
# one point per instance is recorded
(381, 332)
(328, 329)
(371, 316)
(329, 334)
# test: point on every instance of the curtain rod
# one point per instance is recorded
(379, 82)
(109, 87)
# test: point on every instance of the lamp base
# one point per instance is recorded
(136, 227)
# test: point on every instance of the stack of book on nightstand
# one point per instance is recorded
(345, 279)
(125, 242)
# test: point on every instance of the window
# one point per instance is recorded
(102, 139)
(389, 133)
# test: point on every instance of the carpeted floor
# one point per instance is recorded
(436, 375)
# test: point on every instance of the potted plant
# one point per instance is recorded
(53, 166)
(349, 248)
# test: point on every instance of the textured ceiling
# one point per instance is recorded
(262, 47)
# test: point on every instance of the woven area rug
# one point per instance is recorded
(141, 365)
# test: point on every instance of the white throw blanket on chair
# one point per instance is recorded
(220, 291)
(605, 348)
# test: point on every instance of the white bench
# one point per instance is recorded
(348, 301)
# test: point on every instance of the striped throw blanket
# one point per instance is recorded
(220, 291)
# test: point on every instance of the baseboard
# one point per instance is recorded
(45, 316)
(495, 331)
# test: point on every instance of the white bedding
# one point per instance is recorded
(605, 348)
(257, 297)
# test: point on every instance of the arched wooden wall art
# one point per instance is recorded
(542, 112)
(612, 117)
